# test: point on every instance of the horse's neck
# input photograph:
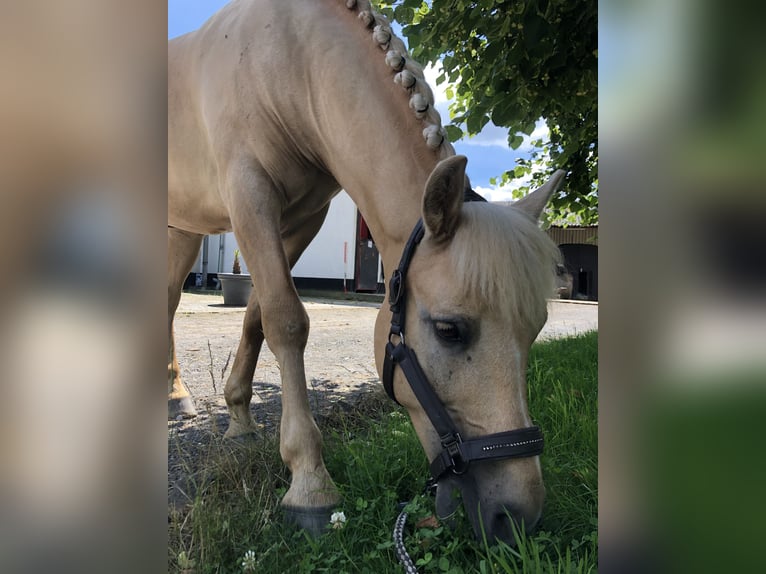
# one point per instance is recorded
(387, 185)
(372, 142)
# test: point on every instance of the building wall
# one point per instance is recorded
(324, 258)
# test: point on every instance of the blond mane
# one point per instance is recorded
(502, 257)
(406, 72)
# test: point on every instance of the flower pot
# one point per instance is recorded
(236, 288)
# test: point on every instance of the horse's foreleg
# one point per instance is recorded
(239, 388)
(312, 494)
(255, 209)
(239, 385)
(183, 249)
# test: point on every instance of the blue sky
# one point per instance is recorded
(488, 153)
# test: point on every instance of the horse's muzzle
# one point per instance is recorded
(495, 519)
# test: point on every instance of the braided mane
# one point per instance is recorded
(406, 72)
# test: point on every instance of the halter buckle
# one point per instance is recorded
(451, 444)
(395, 285)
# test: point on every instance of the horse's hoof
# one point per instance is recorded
(241, 432)
(315, 521)
(242, 439)
(181, 408)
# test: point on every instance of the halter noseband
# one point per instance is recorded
(456, 454)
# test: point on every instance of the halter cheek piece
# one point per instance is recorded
(456, 454)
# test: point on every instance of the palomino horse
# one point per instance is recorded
(275, 106)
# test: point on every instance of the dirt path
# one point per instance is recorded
(339, 354)
(339, 359)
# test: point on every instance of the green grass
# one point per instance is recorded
(376, 460)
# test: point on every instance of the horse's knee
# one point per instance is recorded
(287, 330)
(297, 328)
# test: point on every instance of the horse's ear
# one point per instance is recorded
(534, 203)
(443, 198)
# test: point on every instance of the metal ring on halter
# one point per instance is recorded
(400, 335)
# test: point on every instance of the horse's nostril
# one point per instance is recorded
(503, 523)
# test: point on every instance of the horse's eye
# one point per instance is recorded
(448, 331)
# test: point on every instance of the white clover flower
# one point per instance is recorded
(184, 562)
(338, 520)
(249, 562)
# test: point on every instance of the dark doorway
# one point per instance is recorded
(366, 271)
(582, 262)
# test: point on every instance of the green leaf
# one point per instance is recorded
(454, 133)
(493, 50)
(515, 141)
(475, 122)
(533, 29)
(503, 115)
(425, 560)
(520, 171)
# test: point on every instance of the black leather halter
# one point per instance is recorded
(456, 454)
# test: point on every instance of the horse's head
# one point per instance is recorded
(476, 292)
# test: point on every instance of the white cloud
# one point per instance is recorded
(503, 192)
(541, 130)
(492, 135)
(439, 90)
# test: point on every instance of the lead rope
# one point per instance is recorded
(401, 521)
(401, 551)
